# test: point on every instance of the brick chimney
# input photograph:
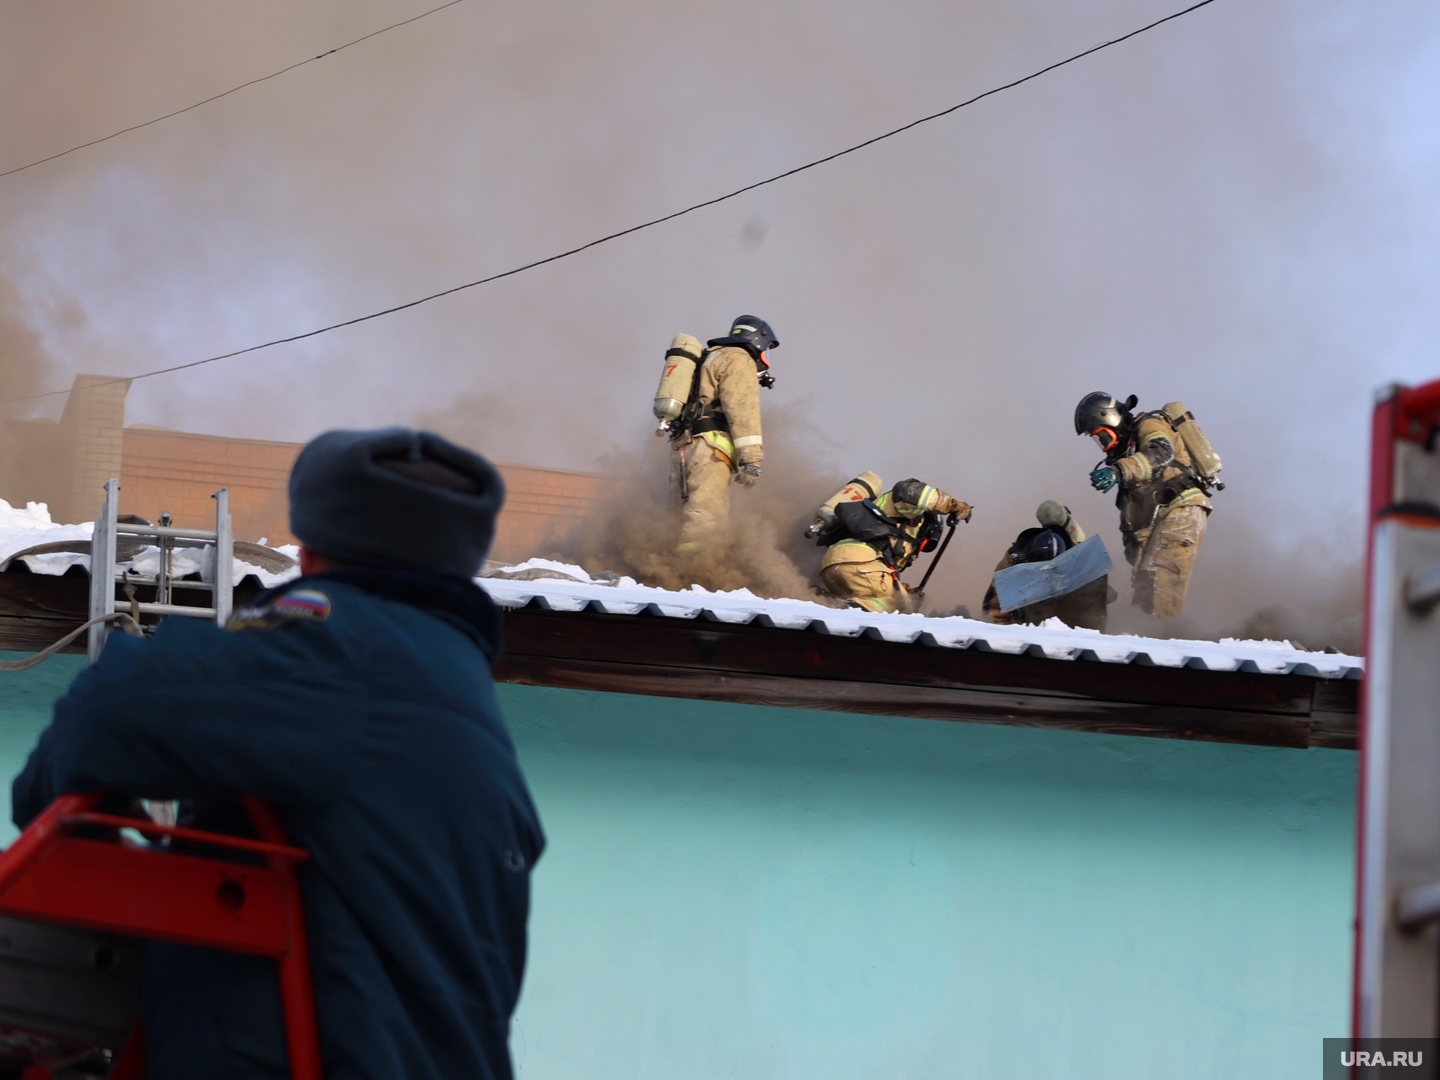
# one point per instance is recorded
(92, 432)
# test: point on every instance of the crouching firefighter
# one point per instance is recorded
(1165, 469)
(708, 403)
(871, 538)
(1057, 534)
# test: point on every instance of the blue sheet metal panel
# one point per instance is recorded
(1030, 583)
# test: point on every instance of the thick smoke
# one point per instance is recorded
(26, 474)
(1196, 214)
(23, 363)
(760, 548)
(635, 527)
(488, 422)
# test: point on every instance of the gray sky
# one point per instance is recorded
(1237, 209)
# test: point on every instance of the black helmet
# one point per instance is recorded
(1099, 410)
(912, 497)
(749, 332)
(1045, 545)
(1038, 545)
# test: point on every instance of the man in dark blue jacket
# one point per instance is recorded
(358, 701)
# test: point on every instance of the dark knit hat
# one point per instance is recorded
(395, 497)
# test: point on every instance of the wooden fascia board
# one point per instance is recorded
(922, 702)
(752, 664)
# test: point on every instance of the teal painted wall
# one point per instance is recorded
(26, 698)
(744, 892)
(758, 894)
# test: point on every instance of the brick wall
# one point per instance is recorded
(541, 506)
(92, 423)
(179, 472)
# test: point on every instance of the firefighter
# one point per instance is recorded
(1162, 497)
(870, 539)
(357, 699)
(1057, 534)
(718, 438)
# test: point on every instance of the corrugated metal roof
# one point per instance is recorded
(565, 591)
(569, 588)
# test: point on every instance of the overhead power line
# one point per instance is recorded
(232, 90)
(643, 225)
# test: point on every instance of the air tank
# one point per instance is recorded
(1202, 455)
(677, 377)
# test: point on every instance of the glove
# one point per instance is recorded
(948, 504)
(1104, 478)
(747, 475)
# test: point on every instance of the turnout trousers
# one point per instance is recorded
(869, 584)
(707, 500)
(1163, 557)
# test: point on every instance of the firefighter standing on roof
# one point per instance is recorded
(714, 427)
(1164, 469)
(871, 539)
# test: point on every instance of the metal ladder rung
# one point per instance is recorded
(176, 609)
(166, 530)
(104, 575)
(175, 583)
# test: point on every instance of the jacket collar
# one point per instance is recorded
(457, 600)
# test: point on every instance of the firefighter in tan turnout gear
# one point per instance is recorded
(708, 404)
(1165, 468)
(871, 538)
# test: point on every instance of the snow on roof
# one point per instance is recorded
(21, 530)
(562, 587)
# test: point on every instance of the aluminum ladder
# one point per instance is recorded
(104, 576)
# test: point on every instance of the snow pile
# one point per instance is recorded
(563, 587)
(542, 569)
(21, 530)
(27, 528)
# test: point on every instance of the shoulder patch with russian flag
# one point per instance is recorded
(297, 605)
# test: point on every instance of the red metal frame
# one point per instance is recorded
(1413, 414)
(52, 875)
(1416, 411)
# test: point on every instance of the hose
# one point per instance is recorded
(120, 618)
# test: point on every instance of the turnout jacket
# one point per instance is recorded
(1156, 474)
(359, 704)
(913, 523)
(729, 398)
